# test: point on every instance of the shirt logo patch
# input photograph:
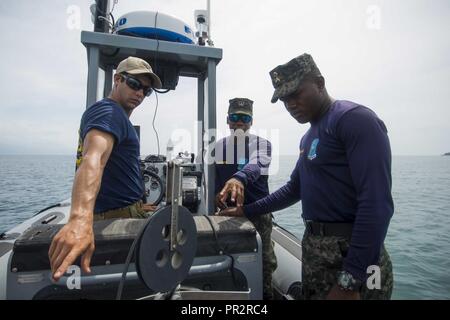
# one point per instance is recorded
(241, 163)
(313, 150)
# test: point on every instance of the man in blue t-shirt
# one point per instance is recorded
(343, 178)
(108, 182)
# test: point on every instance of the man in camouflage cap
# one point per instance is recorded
(242, 161)
(343, 178)
(286, 79)
(241, 106)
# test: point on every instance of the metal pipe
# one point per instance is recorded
(101, 10)
(208, 9)
(207, 267)
(108, 80)
(92, 81)
(200, 118)
(212, 125)
(211, 267)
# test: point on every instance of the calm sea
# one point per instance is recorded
(418, 238)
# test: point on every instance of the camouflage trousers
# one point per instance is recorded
(263, 225)
(322, 258)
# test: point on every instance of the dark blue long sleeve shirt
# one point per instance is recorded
(343, 174)
(246, 158)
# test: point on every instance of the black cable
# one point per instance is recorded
(132, 251)
(204, 183)
(233, 276)
(113, 22)
(153, 122)
(128, 260)
(104, 15)
(161, 91)
(220, 249)
(156, 92)
(49, 207)
(156, 53)
(168, 295)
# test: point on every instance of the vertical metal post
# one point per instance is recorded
(92, 81)
(208, 9)
(200, 118)
(212, 122)
(101, 10)
(108, 81)
(174, 183)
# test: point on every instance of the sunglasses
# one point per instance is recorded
(235, 117)
(136, 85)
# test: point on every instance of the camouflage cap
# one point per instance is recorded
(241, 105)
(286, 78)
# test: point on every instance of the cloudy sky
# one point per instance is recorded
(392, 56)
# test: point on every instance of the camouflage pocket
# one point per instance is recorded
(324, 251)
(343, 244)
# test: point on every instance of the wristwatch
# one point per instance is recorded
(347, 282)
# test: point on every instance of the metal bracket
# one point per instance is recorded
(174, 198)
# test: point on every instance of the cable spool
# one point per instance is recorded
(158, 265)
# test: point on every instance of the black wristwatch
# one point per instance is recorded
(347, 282)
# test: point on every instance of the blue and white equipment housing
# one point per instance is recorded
(154, 25)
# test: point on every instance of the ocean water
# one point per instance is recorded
(418, 239)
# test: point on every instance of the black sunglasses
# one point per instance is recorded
(136, 85)
(235, 117)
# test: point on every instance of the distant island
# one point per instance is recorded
(446, 154)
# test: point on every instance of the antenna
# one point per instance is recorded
(208, 9)
(100, 15)
(203, 24)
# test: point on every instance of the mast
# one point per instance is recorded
(101, 16)
(208, 9)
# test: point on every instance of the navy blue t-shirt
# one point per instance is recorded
(121, 181)
(343, 174)
(247, 160)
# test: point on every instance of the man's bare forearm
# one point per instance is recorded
(86, 187)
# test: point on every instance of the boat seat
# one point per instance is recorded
(113, 239)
